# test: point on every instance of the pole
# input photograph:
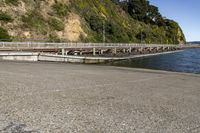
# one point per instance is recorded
(174, 39)
(104, 32)
(141, 37)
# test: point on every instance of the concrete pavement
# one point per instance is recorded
(60, 98)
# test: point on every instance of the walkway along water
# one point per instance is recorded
(81, 52)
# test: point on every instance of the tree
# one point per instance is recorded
(138, 9)
(96, 23)
(142, 10)
(154, 15)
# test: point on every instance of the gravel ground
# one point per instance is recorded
(62, 98)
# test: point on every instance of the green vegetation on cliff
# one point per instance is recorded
(4, 35)
(134, 21)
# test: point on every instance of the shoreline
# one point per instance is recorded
(106, 66)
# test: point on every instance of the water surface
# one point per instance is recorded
(185, 61)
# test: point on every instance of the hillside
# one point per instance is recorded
(81, 21)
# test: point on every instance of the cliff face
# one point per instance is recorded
(79, 21)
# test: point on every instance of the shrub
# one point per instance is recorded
(13, 2)
(60, 9)
(34, 20)
(141, 35)
(56, 24)
(96, 23)
(4, 36)
(54, 38)
(5, 17)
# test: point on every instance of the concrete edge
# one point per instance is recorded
(156, 71)
(30, 56)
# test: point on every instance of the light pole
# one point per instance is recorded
(141, 36)
(174, 39)
(104, 32)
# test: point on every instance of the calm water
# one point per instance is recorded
(186, 61)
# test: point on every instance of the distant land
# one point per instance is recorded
(194, 42)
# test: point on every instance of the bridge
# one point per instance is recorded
(90, 51)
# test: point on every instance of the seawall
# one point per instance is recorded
(30, 56)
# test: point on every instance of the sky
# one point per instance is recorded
(185, 12)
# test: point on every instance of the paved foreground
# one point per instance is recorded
(59, 98)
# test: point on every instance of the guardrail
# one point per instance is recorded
(77, 45)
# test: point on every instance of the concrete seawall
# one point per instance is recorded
(19, 56)
(28, 56)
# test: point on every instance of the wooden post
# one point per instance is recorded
(150, 49)
(63, 51)
(66, 52)
(130, 50)
(94, 51)
(101, 51)
(115, 51)
(124, 50)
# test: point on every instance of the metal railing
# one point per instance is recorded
(77, 45)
